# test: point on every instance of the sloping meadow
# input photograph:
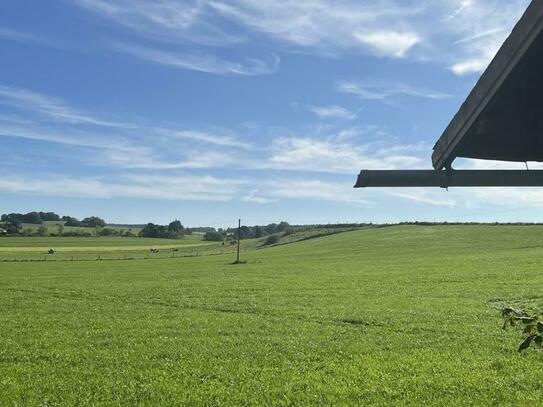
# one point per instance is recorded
(400, 315)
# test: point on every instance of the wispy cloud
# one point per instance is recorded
(423, 196)
(254, 197)
(184, 187)
(320, 24)
(335, 156)
(315, 189)
(481, 27)
(169, 21)
(52, 108)
(15, 35)
(333, 112)
(382, 92)
(202, 62)
(28, 38)
(226, 141)
(462, 35)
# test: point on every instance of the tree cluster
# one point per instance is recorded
(36, 218)
(91, 222)
(245, 232)
(175, 230)
(255, 232)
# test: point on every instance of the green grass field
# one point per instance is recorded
(92, 248)
(392, 316)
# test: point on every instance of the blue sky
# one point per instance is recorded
(210, 110)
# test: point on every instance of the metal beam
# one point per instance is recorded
(450, 178)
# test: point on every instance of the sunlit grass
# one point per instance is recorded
(394, 316)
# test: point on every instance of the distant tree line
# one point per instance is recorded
(245, 232)
(13, 224)
(90, 222)
(36, 218)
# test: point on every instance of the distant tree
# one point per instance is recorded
(49, 216)
(108, 232)
(150, 230)
(69, 221)
(94, 222)
(32, 217)
(258, 232)
(12, 226)
(282, 226)
(176, 227)
(42, 231)
(213, 236)
(60, 229)
(272, 239)
(164, 232)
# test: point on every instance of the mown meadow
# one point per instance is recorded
(385, 316)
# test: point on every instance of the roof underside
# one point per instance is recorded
(502, 118)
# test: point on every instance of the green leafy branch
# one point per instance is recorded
(532, 326)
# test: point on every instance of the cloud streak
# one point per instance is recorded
(202, 62)
(333, 112)
(181, 187)
(382, 92)
(51, 108)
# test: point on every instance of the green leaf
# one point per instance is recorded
(527, 320)
(528, 329)
(526, 344)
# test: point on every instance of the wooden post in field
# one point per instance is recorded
(239, 238)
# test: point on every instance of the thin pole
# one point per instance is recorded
(239, 238)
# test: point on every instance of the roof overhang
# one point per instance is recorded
(502, 118)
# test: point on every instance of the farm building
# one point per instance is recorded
(501, 119)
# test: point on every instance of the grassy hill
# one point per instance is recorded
(391, 316)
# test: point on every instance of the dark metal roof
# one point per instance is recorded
(502, 118)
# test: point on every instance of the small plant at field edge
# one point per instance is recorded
(531, 324)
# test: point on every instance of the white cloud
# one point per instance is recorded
(315, 189)
(333, 112)
(202, 62)
(322, 24)
(462, 35)
(389, 43)
(470, 66)
(335, 156)
(15, 35)
(50, 107)
(207, 138)
(423, 196)
(171, 21)
(175, 187)
(254, 197)
(480, 28)
(382, 92)
(327, 25)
